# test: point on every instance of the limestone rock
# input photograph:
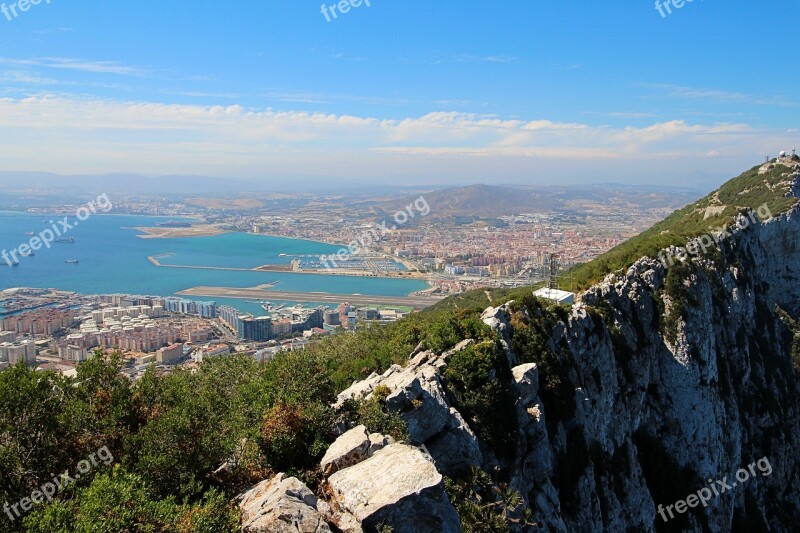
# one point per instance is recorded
(281, 505)
(526, 379)
(377, 442)
(418, 393)
(349, 449)
(456, 449)
(398, 487)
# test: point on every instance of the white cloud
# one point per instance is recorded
(62, 63)
(67, 134)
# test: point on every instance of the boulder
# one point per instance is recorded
(397, 487)
(281, 505)
(349, 449)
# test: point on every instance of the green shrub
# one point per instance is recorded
(479, 379)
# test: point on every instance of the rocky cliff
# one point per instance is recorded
(659, 383)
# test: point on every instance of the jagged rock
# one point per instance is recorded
(526, 379)
(418, 394)
(456, 449)
(396, 487)
(497, 319)
(460, 347)
(281, 505)
(351, 448)
(347, 523)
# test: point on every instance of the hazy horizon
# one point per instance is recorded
(388, 92)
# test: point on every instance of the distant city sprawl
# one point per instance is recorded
(374, 235)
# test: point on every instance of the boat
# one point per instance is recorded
(71, 261)
(281, 255)
(66, 240)
(30, 233)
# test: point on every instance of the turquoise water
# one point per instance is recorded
(113, 260)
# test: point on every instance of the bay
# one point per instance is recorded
(112, 259)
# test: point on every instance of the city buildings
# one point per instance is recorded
(190, 307)
(47, 321)
(20, 352)
(210, 350)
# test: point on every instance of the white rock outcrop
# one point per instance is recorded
(397, 487)
(281, 505)
(419, 394)
(350, 448)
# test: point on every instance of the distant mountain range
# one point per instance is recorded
(34, 189)
(488, 201)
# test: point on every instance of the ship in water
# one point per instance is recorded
(30, 233)
(72, 261)
(66, 240)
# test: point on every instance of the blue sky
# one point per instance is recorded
(446, 91)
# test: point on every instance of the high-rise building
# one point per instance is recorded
(207, 309)
(331, 318)
(256, 329)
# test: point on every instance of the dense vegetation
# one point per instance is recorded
(185, 443)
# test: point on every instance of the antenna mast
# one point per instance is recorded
(552, 282)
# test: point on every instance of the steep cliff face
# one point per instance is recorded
(678, 377)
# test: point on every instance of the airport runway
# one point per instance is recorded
(321, 297)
